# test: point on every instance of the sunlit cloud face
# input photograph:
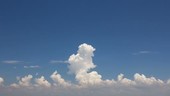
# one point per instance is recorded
(81, 64)
(88, 81)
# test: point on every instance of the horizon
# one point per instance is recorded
(84, 48)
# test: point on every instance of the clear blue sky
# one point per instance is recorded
(129, 36)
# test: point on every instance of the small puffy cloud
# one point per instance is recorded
(42, 82)
(124, 81)
(23, 82)
(168, 82)
(59, 81)
(26, 81)
(143, 80)
(91, 78)
(11, 61)
(1, 81)
(14, 85)
(31, 67)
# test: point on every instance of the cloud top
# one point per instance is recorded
(82, 61)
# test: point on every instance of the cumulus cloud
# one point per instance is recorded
(143, 80)
(59, 81)
(124, 81)
(81, 63)
(23, 82)
(90, 78)
(168, 82)
(42, 82)
(89, 82)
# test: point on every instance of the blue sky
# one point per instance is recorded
(129, 36)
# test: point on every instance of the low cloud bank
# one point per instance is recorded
(89, 82)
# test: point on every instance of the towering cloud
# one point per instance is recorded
(81, 64)
(90, 82)
(82, 61)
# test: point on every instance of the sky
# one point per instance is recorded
(119, 46)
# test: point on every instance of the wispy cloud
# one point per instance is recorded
(31, 67)
(142, 52)
(11, 61)
(58, 62)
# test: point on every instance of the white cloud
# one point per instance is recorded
(124, 81)
(59, 81)
(1, 81)
(11, 61)
(23, 82)
(26, 81)
(58, 62)
(90, 78)
(31, 67)
(42, 82)
(143, 80)
(82, 61)
(142, 52)
(90, 83)
(81, 64)
(168, 82)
